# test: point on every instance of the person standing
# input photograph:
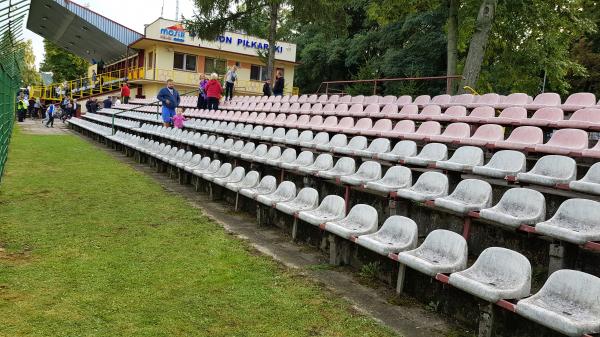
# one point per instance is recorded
(202, 92)
(169, 97)
(37, 106)
(50, 115)
(267, 88)
(230, 79)
(21, 108)
(213, 92)
(94, 77)
(125, 92)
(31, 107)
(279, 84)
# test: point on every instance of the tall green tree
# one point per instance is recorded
(64, 65)
(216, 16)
(29, 73)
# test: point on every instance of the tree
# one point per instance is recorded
(216, 16)
(29, 74)
(452, 33)
(64, 65)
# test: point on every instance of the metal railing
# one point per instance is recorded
(330, 85)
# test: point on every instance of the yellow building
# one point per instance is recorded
(166, 51)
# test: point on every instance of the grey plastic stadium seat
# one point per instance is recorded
(235, 176)
(368, 171)
(344, 166)
(397, 234)
(250, 180)
(402, 149)
(286, 191)
(305, 136)
(259, 151)
(590, 183)
(395, 178)
(338, 140)
(430, 153)
(576, 221)
(463, 159)
(518, 206)
(498, 273)
(246, 150)
(429, 186)
(469, 195)
(361, 220)
(222, 172)
(278, 135)
(320, 139)
(305, 158)
(323, 162)
(442, 251)
(197, 163)
(213, 167)
(568, 303)
(332, 208)
(551, 170)
(307, 199)
(236, 148)
(290, 136)
(288, 156)
(377, 147)
(227, 145)
(356, 143)
(267, 185)
(502, 164)
(273, 154)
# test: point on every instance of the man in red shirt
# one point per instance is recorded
(125, 93)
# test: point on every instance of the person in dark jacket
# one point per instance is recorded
(279, 84)
(267, 88)
(92, 105)
(170, 100)
(107, 103)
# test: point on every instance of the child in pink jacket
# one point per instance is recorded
(178, 119)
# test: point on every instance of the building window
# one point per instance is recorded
(212, 65)
(184, 62)
(150, 60)
(258, 73)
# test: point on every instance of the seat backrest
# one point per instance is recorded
(363, 124)
(362, 215)
(570, 138)
(458, 130)
(389, 99)
(322, 98)
(431, 110)
(441, 99)
(549, 114)
(555, 166)
(451, 245)
(372, 109)
(473, 191)
(469, 155)
(492, 132)
(286, 189)
(382, 125)
(462, 99)
(346, 123)
(522, 201)
(306, 136)
(429, 128)
(305, 158)
(397, 174)
(323, 161)
(514, 112)
(391, 109)
(593, 174)
(516, 99)
(303, 120)
(432, 181)
(356, 109)
(369, 169)
(379, 145)
(581, 98)
(333, 99)
(359, 99)
(316, 120)
(279, 133)
(580, 211)
(404, 99)
(505, 264)
(456, 110)
(579, 289)
(399, 228)
(405, 126)
(345, 99)
(339, 139)
(489, 99)
(587, 115)
(345, 164)
(330, 121)
(483, 112)
(321, 138)
(357, 142)
(526, 135)
(435, 151)
(260, 150)
(422, 100)
(308, 196)
(333, 204)
(547, 98)
(341, 109)
(405, 148)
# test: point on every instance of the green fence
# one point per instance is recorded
(8, 89)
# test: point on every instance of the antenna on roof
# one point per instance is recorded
(162, 9)
(177, 10)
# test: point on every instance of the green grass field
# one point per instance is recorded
(90, 247)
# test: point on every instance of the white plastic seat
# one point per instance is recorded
(430, 153)
(332, 208)
(518, 206)
(568, 303)
(307, 199)
(576, 221)
(463, 159)
(402, 149)
(338, 140)
(502, 164)
(442, 252)
(551, 170)
(344, 166)
(429, 186)
(497, 274)
(287, 156)
(469, 195)
(213, 167)
(273, 154)
(305, 158)
(367, 171)
(356, 143)
(197, 163)
(320, 139)
(286, 191)
(305, 136)
(376, 148)
(259, 151)
(397, 234)
(247, 150)
(361, 220)
(590, 183)
(250, 180)
(395, 178)
(235, 176)
(222, 172)
(323, 162)
(267, 185)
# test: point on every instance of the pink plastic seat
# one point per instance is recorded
(547, 99)
(361, 126)
(359, 99)
(317, 109)
(404, 100)
(236, 116)
(372, 110)
(291, 121)
(389, 99)
(270, 119)
(270, 99)
(588, 118)
(303, 121)
(422, 100)
(374, 99)
(461, 100)
(580, 100)
(303, 99)
(284, 108)
(229, 116)
(279, 120)
(425, 131)
(275, 107)
(347, 99)
(407, 111)
(328, 110)
(305, 108)
(259, 107)
(453, 133)
(545, 117)
(516, 99)
(312, 99)
(323, 99)
(441, 99)
(330, 124)
(429, 112)
(391, 111)
(244, 117)
(400, 129)
(344, 124)
(452, 114)
(294, 99)
(479, 115)
(252, 106)
(295, 108)
(485, 134)
(380, 126)
(594, 152)
(340, 110)
(522, 138)
(356, 110)
(315, 121)
(333, 99)
(484, 100)
(511, 116)
(285, 99)
(267, 107)
(565, 142)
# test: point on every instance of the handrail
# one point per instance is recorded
(375, 81)
(143, 105)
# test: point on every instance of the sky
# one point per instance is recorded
(130, 13)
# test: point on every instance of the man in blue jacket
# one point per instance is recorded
(170, 101)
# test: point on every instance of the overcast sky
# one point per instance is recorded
(130, 13)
